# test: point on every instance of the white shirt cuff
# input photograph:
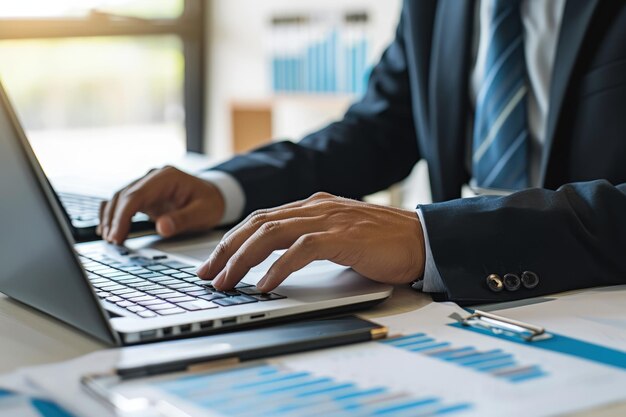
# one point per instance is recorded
(234, 197)
(432, 281)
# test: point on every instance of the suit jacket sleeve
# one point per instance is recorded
(371, 148)
(574, 237)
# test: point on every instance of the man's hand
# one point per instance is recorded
(382, 243)
(176, 201)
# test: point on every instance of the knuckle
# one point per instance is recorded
(222, 248)
(320, 195)
(259, 212)
(172, 171)
(270, 228)
(132, 193)
(258, 218)
(326, 205)
(308, 242)
(115, 197)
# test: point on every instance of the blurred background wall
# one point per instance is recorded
(129, 80)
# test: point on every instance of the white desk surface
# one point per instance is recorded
(28, 337)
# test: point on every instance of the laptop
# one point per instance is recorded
(123, 296)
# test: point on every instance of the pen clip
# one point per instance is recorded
(505, 326)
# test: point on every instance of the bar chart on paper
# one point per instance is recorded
(271, 390)
(495, 362)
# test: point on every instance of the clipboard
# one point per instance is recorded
(504, 326)
(537, 337)
(218, 352)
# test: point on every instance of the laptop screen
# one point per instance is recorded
(37, 260)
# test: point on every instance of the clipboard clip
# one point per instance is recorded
(504, 326)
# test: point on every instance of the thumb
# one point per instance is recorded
(192, 217)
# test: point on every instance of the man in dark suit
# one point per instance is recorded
(525, 96)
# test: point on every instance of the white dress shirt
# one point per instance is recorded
(542, 21)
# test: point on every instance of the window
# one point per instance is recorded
(103, 75)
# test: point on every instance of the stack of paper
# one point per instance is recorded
(436, 367)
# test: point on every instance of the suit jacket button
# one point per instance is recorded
(529, 279)
(494, 282)
(511, 282)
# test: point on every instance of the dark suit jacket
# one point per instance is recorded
(417, 106)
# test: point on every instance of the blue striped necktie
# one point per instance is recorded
(501, 137)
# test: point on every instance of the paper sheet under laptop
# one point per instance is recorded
(434, 369)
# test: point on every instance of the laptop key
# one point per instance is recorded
(141, 285)
(176, 310)
(170, 294)
(125, 304)
(250, 290)
(197, 305)
(170, 271)
(151, 303)
(106, 283)
(268, 296)
(181, 286)
(122, 291)
(193, 288)
(230, 301)
(142, 270)
(152, 287)
(170, 281)
(146, 314)
(225, 302)
(132, 295)
(162, 306)
(176, 265)
(124, 277)
(135, 308)
(113, 287)
(181, 275)
(198, 292)
(131, 268)
(212, 296)
(160, 290)
(160, 279)
(194, 279)
(157, 267)
(114, 299)
(102, 294)
(177, 300)
(150, 275)
(229, 293)
(143, 297)
(114, 273)
(131, 279)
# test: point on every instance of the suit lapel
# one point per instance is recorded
(448, 95)
(576, 18)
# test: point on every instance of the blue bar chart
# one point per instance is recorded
(320, 54)
(268, 390)
(495, 362)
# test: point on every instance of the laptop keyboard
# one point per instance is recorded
(86, 209)
(161, 287)
(81, 207)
